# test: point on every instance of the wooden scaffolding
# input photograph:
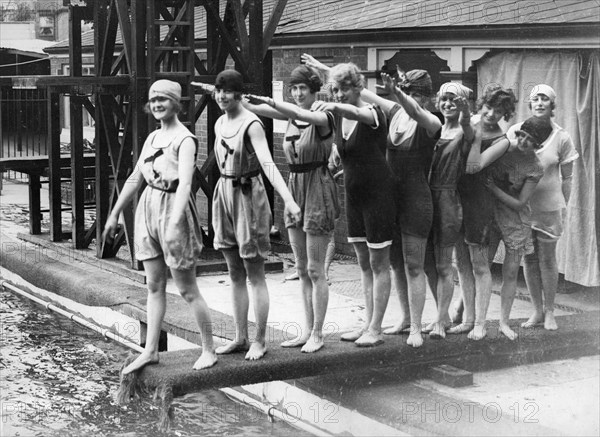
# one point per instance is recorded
(137, 42)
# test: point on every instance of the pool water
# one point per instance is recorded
(59, 379)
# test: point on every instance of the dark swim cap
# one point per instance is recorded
(230, 80)
(308, 76)
(417, 81)
(539, 129)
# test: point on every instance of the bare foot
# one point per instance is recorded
(256, 351)
(233, 347)
(314, 343)
(399, 328)
(295, 342)
(438, 332)
(535, 320)
(478, 333)
(510, 334)
(141, 361)
(415, 339)
(461, 329)
(550, 321)
(369, 339)
(427, 329)
(206, 360)
(352, 335)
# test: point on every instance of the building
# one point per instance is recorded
(516, 44)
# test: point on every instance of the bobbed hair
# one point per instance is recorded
(347, 74)
(497, 96)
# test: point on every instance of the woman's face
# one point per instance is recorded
(302, 95)
(526, 143)
(541, 106)
(447, 106)
(162, 108)
(345, 93)
(226, 99)
(490, 116)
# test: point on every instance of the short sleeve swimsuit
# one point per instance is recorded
(547, 201)
(310, 181)
(477, 201)
(447, 166)
(241, 210)
(510, 174)
(160, 169)
(368, 182)
(409, 150)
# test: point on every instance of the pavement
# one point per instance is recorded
(530, 391)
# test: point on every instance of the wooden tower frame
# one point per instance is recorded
(157, 40)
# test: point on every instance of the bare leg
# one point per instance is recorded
(483, 285)
(399, 274)
(329, 255)
(317, 249)
(549, 274)
(239, 297)
(298, 243)
(414, 258)
(260, 301)
(432, 278)
(445, 289)
(185, 280)
(380, 265)
(156, 305)
(366, 276)
(533, 278)
(467, 286)
(510, 270)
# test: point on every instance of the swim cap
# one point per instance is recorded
(165, 88)
(308, 76)
(417, 81)
(544, 89)
(230, 80)
(455, 88)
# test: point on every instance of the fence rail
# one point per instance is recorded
(24, 124)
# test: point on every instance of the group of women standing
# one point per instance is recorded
(457, 187)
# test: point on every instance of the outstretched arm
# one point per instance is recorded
(310, 61)
(258, 105)
(256, 134)
(289, 110)
(371, 97)
(478, 160)
(423, 117)
(363, 114)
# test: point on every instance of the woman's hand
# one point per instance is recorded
(259, 100)
(310, 61)
(490, 184)
(110, 228)
(389, 84)
(292, 210)
(173, 236)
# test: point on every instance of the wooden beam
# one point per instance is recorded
(54, 199)
(272, 24)
(213, 13)
(240, 25)
(123, 14)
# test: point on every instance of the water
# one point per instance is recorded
(59, 379)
